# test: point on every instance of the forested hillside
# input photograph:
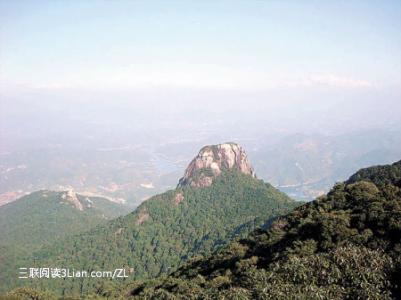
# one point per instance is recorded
(165, 231)
(345, 245)
(42, 218)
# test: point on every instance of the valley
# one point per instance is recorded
(307, 167)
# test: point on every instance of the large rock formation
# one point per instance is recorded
(212, 160)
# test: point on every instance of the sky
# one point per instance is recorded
(190, 67)
(228, 45)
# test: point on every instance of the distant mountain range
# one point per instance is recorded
(306, 166)
(302, 165)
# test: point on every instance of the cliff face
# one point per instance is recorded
(212, 160)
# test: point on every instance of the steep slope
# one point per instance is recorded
(41, 218)
(169, 228)
(346, 245)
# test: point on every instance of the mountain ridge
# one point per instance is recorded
(344, 245)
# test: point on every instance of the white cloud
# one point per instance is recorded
(177, 74)
(338, 81)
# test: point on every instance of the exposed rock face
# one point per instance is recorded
(178, 198)
(214, 159)
(142, 217)
(71, 197)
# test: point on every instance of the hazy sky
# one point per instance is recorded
(249, 45)
(198, 66)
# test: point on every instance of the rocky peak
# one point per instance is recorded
(214, 159)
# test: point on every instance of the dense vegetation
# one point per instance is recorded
(41, 218)
(164, 232)
(346, 245)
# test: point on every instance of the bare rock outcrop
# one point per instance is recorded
(212, 161)
(71, 197)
